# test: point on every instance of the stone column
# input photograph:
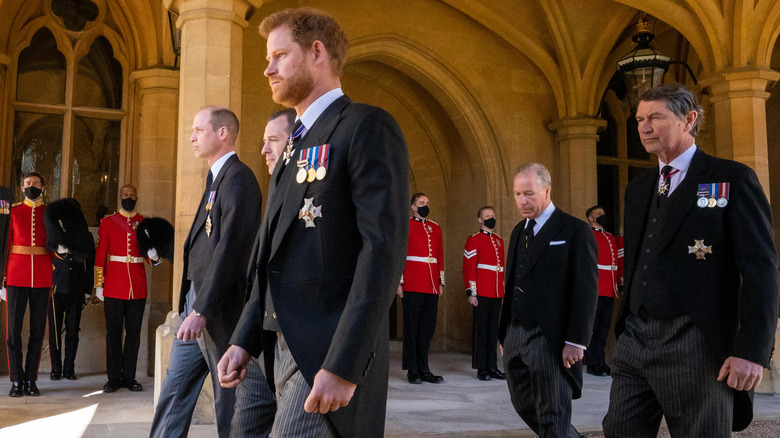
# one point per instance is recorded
(575, 187)
(738, 97)
(211, 63)
(157, 92)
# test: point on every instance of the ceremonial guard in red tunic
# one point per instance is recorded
(420, 289)
(28, 276)
(483, 276)
(120, 277)
(610, 278)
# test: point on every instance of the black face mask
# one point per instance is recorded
(128, 204)
(423, 211)
(602, 220)
(489, 223)
(32, 193)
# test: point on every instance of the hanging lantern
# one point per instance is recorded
(643, 67)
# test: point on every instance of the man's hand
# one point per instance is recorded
(192, 327)
(400, 291)
(232, 367)
(473, 301)
(572, 355)
(3, 294)
(329, 393)
(743, 375)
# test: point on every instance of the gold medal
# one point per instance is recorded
(311, 174)
(321, 172)
(301, 176)
(712, 203)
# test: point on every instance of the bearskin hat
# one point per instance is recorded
(66, 226)
(157, 233)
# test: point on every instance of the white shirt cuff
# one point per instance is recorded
(576, 345)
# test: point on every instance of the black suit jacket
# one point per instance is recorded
(217, 263)
(332, 285)
(560, 286)
(731, 295)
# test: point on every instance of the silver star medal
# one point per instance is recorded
(309, 211)
(700, 249)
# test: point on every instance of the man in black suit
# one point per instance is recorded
(700, 311)
(211, 299)
(331, 245)
(550, 303)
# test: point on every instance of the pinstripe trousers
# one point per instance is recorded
(540, 392)
(291, 393)
(663, 367)
(255, 405)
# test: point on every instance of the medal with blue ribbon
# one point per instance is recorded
(712, 194)
(210, 203)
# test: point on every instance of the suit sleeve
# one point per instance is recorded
(470, 266)
(378, 167)
(239, 200)
(749, 224)
(584, 296)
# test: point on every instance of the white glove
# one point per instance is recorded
(152, 253)
(61, 249)
(3, 294)
(99, 293)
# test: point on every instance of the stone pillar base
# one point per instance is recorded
(204, 408)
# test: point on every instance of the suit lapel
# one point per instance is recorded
(200, 217)
(289, 204)
(542, 240)
(683, 199)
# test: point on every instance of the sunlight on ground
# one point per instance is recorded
(67, 425)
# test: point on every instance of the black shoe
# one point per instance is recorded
(55, 375)
(483, 375)
(111, 386)
(30, 388)
(133, 385)
(16, 390)
(596, 371)
(496, 374)
(413, 377)
(429, 377)
(69, 375)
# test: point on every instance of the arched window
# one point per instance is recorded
(68, 112)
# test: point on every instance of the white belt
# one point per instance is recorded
(422, 259)
(607, 267)
(491, 267)
(128, 259)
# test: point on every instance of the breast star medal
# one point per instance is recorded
(700, 249)
(208, 226)
(309, 211)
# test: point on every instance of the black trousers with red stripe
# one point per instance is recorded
(18, 297)
(485, 333)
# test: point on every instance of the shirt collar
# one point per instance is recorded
(219, 164)
(542, 219)
(418, 219)
(127, 214)
(483, 231)
(313, 112)
(36, 203)
(683, 162)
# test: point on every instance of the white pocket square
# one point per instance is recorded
(557, 242)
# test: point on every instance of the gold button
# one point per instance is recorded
(274, 315)
(265, 313)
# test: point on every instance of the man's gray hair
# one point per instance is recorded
(543, 177)
(679, 100)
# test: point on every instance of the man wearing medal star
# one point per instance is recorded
(701, 284)
(330, 248)
(213, 288)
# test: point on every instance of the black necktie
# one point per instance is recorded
(209, 181)
(528, 232)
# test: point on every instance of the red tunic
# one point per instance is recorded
(117, 245)
(483, 264)
(424, 268)
(29, 264)
(610, 267)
